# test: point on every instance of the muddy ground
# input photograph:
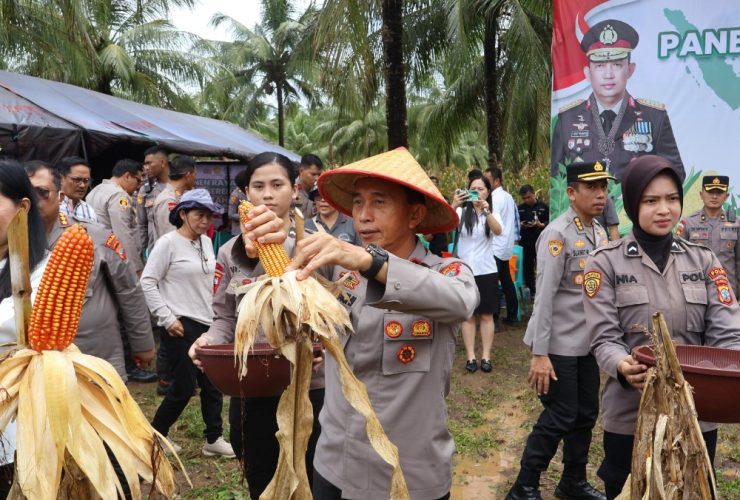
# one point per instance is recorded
(490, 416)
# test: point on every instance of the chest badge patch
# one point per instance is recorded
(421, 328)
(580, 243)
(123, 202)
(349, 280)
(592, 283)
(555, 247)
(451, 270)
(393, 329)
(406, 354)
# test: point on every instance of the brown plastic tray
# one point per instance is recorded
(713, 372)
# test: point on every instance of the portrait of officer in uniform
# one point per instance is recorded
(714, 227)
(611, 126)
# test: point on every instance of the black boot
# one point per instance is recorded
(570, 489)
(523, 492)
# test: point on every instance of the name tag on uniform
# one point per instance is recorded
(701, 234)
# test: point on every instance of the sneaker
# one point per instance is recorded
(141, 375)
(174, 445)
(218, 447)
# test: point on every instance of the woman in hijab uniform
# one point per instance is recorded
(649, 271)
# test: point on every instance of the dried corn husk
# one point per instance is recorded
(292, 314)
(669, 457)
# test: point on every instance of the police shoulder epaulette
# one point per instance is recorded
(609, 246)
(652, 104)
(571, 105)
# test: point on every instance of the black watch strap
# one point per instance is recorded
(379, 256)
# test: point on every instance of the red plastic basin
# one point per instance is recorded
(714, 373)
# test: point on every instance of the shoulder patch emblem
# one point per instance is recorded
(217, 276)
(115, 244)
(717, 272)
(123, 202)
(571, 105)
(592, 283)
(724, 292)
(555, 247)
(451, 270)
(393, 329)
(651, 104)
(406, 354)
(421, 328)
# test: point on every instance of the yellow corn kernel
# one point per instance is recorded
(272, 255)
(58, 305)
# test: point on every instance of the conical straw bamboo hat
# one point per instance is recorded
(397, 166)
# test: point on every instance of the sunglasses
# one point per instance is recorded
(42, 192)
(79, 180)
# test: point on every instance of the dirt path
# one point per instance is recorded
(490, 417)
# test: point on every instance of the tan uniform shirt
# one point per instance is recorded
(237, 196)
(304, 204)
(235, 269)
(402, 350)
(623, 288)
(113, 289)
(557, 325)
(145, 214)
(116, 212)
(720, 235)
(165, 202)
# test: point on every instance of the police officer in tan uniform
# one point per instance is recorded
(631, 279)
(308, 171)
(112, 203)
(563, 370)
(713, 227)
(182, 178)
(156, 171)
(112, 287)
(406, 305)
(238, 195)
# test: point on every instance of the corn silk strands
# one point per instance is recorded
(669, 456)
(70, 406)
(292, 315)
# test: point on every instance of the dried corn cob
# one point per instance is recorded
(56, 312)
(272, 255)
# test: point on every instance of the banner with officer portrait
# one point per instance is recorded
(633, 77)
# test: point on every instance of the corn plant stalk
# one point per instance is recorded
(669, 456)
(20, 274)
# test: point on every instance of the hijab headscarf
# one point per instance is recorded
(638, 174)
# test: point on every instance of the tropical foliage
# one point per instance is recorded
(463, 83)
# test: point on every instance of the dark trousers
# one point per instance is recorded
(324, 490)
(165, 369)
(507, 285)
(570, 410)
(529, 262)
(186, 376)
(617, 462)
(253, 427)
(7, 472)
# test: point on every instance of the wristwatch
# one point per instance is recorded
(486, 212)
(379, 256)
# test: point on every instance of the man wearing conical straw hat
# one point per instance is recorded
(406, 305)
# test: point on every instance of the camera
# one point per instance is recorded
(472, 195)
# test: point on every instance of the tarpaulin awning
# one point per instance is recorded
(47, 120)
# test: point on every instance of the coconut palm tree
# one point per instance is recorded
(122, 47)
(274, 54)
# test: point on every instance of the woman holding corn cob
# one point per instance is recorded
(178, 285)
(270, 186)
(16, 194)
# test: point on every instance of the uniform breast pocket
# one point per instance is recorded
(632, 303)
(573, 276)
(696, 305)
(407, 343)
